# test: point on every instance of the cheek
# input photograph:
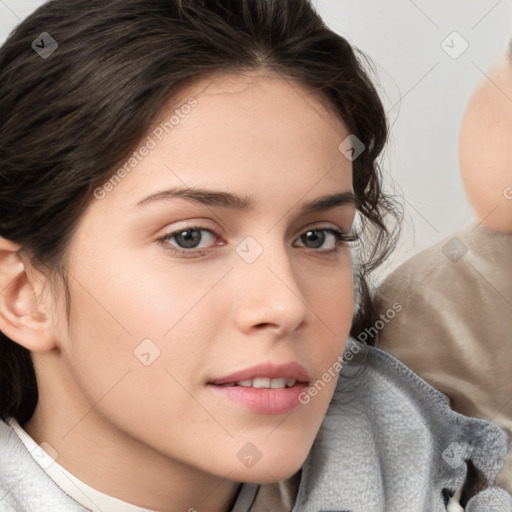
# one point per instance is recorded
(129, 371)
(330, 295)
(141, 319)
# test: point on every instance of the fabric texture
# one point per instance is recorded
(455, 327)
(389, 443)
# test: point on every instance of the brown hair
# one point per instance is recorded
(68, 119)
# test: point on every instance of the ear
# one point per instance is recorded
(22, 319)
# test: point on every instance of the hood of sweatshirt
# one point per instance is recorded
(390, 442)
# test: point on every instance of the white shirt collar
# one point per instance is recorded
(89, 497)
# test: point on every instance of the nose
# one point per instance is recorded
(269, 295)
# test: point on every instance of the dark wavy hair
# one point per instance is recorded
(69, 119)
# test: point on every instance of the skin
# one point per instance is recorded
(155, 435)
(485, 150)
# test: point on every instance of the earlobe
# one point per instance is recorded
(22, 319)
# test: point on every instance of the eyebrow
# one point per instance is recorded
(229, 200)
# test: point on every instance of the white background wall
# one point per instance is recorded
(424, 89)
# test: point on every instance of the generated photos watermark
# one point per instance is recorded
(352, 350)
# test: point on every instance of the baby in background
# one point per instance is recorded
(455, 326)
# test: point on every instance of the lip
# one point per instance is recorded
(264, 400)
(268, 370)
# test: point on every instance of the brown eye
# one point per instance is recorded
(188, 239)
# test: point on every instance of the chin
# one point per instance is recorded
(274, 469)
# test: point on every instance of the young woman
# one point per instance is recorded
(179, 184)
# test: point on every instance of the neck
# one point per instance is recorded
(113, 462)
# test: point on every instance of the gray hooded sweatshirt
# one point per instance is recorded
(389, 443)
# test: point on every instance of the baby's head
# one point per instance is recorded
(485, 147)
(162, 175)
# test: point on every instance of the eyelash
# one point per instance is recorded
(341, 238)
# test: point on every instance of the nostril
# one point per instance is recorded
(264, 324)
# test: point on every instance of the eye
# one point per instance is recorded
(193, 241)
(189, 238)
(333, 238)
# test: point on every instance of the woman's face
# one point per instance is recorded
(183, 307)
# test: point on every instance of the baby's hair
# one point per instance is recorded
(67, 121)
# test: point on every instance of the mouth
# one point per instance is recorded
(264, 375)
(263, 383)
(264, 389)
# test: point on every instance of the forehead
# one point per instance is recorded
(245, 132)
(495, 88)
(246, 99)
(251, 81)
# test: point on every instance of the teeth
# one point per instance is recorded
(260, 382)
(264, 382)
(278, 383)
